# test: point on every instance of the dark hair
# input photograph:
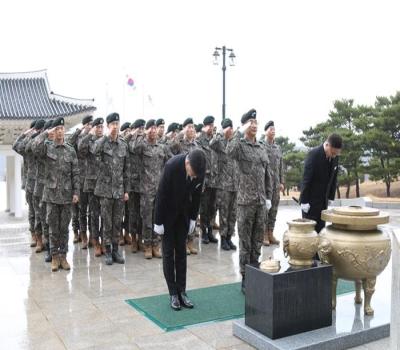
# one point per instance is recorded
(335, 140)
(197, 160)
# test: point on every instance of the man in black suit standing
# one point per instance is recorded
(176, 210)
(319, 179)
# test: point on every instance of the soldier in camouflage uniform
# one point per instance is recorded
(86, 150)
(277, 177)
(153, 156)
(183, 144)
(34, 169)
(80, 210)
(61, 189)
(135, 220)
(208, 197)
(160, 124)
(125, 238)
(112, 185)
(170, 137)
(19, 146)
(227, 184)
(198, 128)
(254, 192)
(41, 177)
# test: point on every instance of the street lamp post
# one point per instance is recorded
(231, 63)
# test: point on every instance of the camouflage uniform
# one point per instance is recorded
(153, 157)
(39, 181)
(253, 191)
(17, 147)
(40, 205)
(112, 183)
(277, 178)
(20, 146)
(62, 173)
(86, 150)
(208, 197)
(227, 185)
(135, 221)
(181, 145)
(80, 210)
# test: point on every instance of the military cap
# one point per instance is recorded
(172, 127)
(208, 120)
(180, 127)
(48, 125)
(40, 124)
(187, 121)
(113, 117)
(226, 123)
(87, 119)
(125, 126)
(150, 123)
(58, 122)
(98, 121)
(270, 123)
(198, 127)
(160, 122)
(33, 124)
(251, 114)
(138, 123)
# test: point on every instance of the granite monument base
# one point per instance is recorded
(288, 302)
(350, 327)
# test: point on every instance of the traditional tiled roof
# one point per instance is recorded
(28, 96)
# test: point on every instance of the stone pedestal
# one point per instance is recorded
(13, 191)
(289, 302)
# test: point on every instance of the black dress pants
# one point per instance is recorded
(174, 256)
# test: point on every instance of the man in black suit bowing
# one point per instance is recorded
(176, 210)
(319, 179)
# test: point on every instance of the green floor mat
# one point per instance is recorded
(212, 304)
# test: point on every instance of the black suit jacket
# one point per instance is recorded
(177, 197)
(319, 179)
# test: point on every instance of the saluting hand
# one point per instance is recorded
(244, 127)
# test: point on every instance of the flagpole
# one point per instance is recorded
(124, 98)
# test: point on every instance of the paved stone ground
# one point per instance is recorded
(85, 309)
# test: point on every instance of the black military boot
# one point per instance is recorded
(211, 237)
(109, 259)
(204, 236)
(47, 255)
(243, 285)
(230, 243)
(224, 244)
(116, 256)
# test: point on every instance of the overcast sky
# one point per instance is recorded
(294, 58)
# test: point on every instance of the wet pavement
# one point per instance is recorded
(84, 308)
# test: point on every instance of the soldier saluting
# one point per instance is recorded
(60, 190)
(86, 150)
(112, 185)
(254, 192)
(277, 178)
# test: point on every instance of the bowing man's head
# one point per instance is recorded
(195, 163)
